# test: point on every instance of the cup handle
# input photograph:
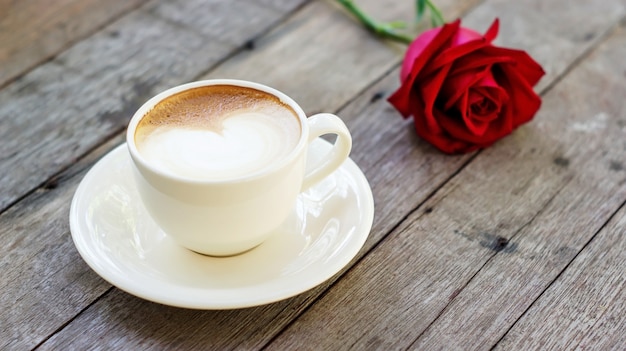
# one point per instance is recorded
(326, 123)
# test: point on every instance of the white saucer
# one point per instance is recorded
(118, 239)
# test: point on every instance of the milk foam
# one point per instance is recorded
(217, 132)
(245, 142)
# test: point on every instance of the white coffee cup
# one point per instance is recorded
(228, 216)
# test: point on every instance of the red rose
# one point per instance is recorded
(463, 92)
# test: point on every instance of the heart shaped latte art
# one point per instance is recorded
(244, 144)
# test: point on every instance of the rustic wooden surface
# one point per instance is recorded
(33, 31)
(519, 246)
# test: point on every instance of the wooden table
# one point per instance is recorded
(518, 246)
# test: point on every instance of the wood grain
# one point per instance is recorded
(66, 107)
(379, 161)
(88, 93)
(404, 282)
(117, 318)
(556, 27)
(44, 282)
(295, 58)
(233, 22)
(321, 62)
(33, 31)
(585, 308)
(426, 263)
(593, 190)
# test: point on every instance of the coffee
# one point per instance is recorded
(247, 144)
(217, 132)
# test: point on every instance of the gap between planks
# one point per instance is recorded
(586, 53)
(51, 56)
(602, 38)
(560, 274)
(422, 202)
(376, 245)
(246, 46)
(108, 291)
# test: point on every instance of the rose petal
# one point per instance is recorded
(498, 128)
(415, 49)
(481, 107)
(465, 35)
(493, 30)
(486, 97)
(475, 126)
(487, 79)
(425, 46)
(401, 98)
(429, 122)
(472, 91)
(453, 53)
(457, 85)
(431, 86)
(462, 92)
(477, 59)
(524, 102)
(441, 139)
(481, 111)
(465, 42)
(495, 97)
(524, 64)
(458, 129)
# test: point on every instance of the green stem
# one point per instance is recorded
(380, 29)
(437, 16)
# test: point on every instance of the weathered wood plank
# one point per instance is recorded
(118, 317)
(586, 307)
(595, 187)
(44, 282)
(229, 21)
(284, 6)
(552, 22)
(414, 274)
(374, 124)
(32, 31)
(290, 57)
(65, 107)
(62, 109)
(113, 325)
(125, 319)
(297, 58)
(245, 336)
